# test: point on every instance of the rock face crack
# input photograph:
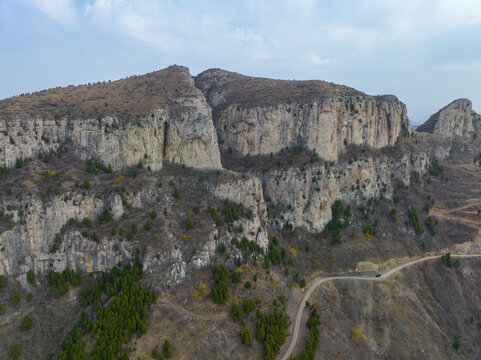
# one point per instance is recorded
(166, 139)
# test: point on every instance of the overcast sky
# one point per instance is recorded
(426, 52)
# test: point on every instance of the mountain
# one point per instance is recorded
(455, 119)
(161, 115)
(166, 213)
(258, 116)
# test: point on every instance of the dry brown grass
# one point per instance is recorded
(246, 90)
(132, 97)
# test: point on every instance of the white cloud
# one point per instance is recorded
(414, 20)
(320, 61)
(60, 10)
(284, 33)
(462, 13)
(159, 23)
(459, 66)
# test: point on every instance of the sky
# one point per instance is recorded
(426, 52)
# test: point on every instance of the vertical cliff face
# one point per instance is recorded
(304, 196)
(36, 225)
(151, 118)
(256, 116)
(248, 192)
(165, 116)
(455, 119)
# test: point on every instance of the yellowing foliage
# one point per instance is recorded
(247, 268)
(293, 251)
(334, 256)
(357, 335)
(200, 291)
(186, 237)
(117, 178)
(274, 282)
(48, 173)
(369, 237)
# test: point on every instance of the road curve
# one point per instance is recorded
(318, 282)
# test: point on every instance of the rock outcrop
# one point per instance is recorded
(45, 232)
(304, 196)
(168, 119)
(39, 224)
(164, 116)
(455, 119)
(255, 116)
(248, 192)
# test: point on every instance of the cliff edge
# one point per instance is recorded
(257, 116)
(455, 119)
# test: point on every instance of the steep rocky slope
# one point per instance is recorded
(148, 118)
(255, 116)
(302, 188)
(455, 119)
(97, 175)
(42, 226)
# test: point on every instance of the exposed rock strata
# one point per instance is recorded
(252, 116)
(27, 245)
(261, 116)
(36, 227)
(178, 129)
(455, 119)
(304, 196)
(248, 192)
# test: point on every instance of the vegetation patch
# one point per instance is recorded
(430, 223)
(435, 168)
(233, 212)
(120, 308)
(221, 290)
(340, 220)
(414, 221)
(61, 280)
(313, 337)
(272, 330)
(446, 258)
(247, 246)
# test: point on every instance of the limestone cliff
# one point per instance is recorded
(164, 116)
(261, 116)
(291, 149)
(455, 119)
(149, 118)
(39, 224)
(304, 196)
(43, 230)
(248, 192)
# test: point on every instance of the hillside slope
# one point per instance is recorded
(165, 213)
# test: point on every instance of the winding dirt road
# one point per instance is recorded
(470, 218)
(318, 282)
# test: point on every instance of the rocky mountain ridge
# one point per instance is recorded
(250, 116)
(256, 116)
(169, 120)
(456, 119)
(274, 181)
